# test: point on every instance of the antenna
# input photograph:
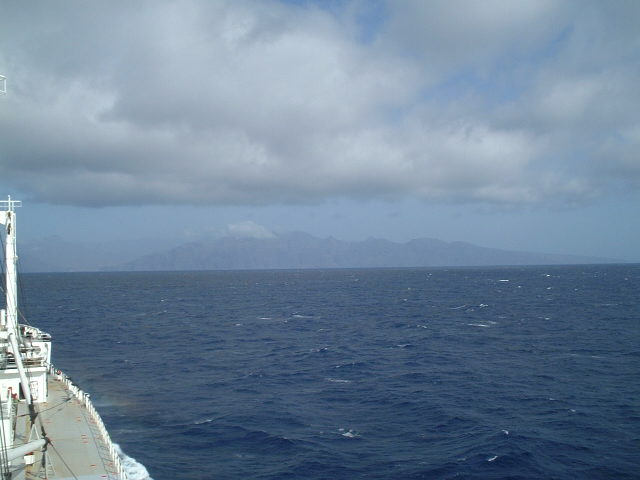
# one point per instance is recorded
(8, 205)
(3, 85)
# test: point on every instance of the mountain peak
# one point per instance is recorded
(251, 247)
(302, 250)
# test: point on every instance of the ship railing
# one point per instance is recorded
(10, 362)
(34, 332)
(83, 397)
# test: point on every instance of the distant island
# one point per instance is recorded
(278, 251)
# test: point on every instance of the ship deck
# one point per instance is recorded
(77, 449)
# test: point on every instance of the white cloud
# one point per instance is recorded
(265, 102)
(457, 34)
(248, 229)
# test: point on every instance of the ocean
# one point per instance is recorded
(481, 373)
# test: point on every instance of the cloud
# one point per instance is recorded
(265, 102)
(248, 229)
(448, 35)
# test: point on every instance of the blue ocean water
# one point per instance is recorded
(485, 373)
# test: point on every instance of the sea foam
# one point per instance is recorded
(133, 469)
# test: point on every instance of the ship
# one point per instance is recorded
(49, 428)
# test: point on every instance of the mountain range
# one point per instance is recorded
(281, 251)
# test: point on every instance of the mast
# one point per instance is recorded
(8, 219)
(11, 317)
(11, 259)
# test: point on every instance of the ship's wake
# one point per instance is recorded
(133, 469)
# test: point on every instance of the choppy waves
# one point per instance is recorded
(464, 373)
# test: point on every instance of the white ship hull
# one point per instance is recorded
(49, 427)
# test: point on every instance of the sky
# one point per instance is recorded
(506, 124)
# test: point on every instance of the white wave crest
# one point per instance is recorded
(337, 380)
(203, 421)
(133, 469)
(348, 434)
